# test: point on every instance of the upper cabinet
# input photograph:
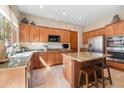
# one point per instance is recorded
(85, 38)
(65, 36)
(29, 33)
(34, 34)
(115, 29)
(24, 33)
(43, 34)
(90, 34)
(119, 28)
(109, 30)
(73, 40)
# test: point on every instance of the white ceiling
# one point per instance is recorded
(89, 13)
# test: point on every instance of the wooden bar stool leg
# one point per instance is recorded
(87, 79)
(96, 81)
(103, 83)
(109, 76)
(79, 79)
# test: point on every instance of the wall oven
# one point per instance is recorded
(115, 46)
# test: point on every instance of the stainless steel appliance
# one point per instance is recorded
(115, 46)
(54, 38)
(97, 44)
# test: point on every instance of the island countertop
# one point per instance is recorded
(85, 56)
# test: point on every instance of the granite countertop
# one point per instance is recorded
(21, 59)
(14, 62)
(85, 56)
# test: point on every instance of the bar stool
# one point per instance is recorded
(88, 71)
(103, 66)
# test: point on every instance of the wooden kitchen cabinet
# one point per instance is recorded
(36, 62)
(24, 33)
(51, 58)
(58, 58)
(73, 40)
(90, 34)
(116, 65)
(34, 34)
(85, 38)
(29, 33)
(65, 36)
(115, 29)
(118, 28)
(109, 30)
(43, 56)
(43, 34)
(46, 59)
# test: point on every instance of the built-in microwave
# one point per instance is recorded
(54, 38)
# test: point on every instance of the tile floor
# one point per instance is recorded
(53, 78)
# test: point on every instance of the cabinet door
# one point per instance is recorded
(73, 40)
(51, 58)
(58, 58)
(98, 32)
(43, 56)
(101, 31)
(36, 61)
(51, 31)
(119, 28)
(65, 36)
(43, 34)
(85, 38)
(109, 30)
(24, 33)
(34, 34)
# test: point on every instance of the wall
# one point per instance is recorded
(55, 24)
(104, 21)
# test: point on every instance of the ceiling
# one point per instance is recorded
(88, 13)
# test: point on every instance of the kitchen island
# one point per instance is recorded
(73, 62)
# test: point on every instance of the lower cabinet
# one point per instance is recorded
(36, 61)
(58, 58)
(116, 65)
(45, 59)
(51, 58)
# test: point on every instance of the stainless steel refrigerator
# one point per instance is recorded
(97, 44)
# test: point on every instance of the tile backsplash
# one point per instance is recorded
(39, 45)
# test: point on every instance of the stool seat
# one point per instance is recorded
(88, 71)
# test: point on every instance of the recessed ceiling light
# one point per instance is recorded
(63, 13)
(41, 6)
(79, 18)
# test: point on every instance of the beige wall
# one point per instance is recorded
(104, 21)
(55, 24)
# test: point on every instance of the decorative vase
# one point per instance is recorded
(2, 51)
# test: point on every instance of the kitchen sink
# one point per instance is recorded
(23, 54)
